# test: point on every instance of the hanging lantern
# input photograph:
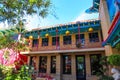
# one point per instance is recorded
(31, 37)
(67, 32)
(90, 29)
(47, 35)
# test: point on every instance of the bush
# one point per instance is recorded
(114, 59)
(8, 73)
(102, 75)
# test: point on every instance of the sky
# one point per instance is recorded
(65, 10)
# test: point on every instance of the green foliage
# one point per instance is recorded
(8, 73)
(7, 40)
(15, 10)
(114, 59)
(103, 75)
(118, 46)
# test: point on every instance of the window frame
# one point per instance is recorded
(94, 37)
(82, 38)
(98, 65)
(67, 65)
(54, 40)
(42, 64)
(68, 38)
(53, 63)
(45, 42)
(35, 43)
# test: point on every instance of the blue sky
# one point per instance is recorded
(66, 11)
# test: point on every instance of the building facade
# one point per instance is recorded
(110, 23)
(72, 51)
(67, 52)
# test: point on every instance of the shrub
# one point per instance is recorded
(114, 59)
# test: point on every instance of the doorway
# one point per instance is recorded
(80, 67)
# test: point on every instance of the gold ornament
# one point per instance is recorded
(90, 29)
(30, 37)
(47, 35)
(67, 32)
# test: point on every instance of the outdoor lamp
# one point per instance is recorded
(47, 35)
(67, 32)
(90, 29)
(31, 37)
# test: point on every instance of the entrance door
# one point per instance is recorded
(80, 67)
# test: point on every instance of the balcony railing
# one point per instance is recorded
(83, 45)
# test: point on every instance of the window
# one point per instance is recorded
(66, 40)
(35, 43)
(53, 64)
(82, 39)
(54, 40)
(95, 63)
(66, 64)
(33, 62)
(43, 64)
(93, 37)
(44, 41)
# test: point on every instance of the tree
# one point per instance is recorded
(14, 11)
(9, 39)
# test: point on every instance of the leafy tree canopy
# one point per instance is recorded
(14, 11)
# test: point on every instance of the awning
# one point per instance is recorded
(114, 32)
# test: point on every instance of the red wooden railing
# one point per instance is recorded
(84, 45)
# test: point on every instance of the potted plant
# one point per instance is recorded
(78, 44)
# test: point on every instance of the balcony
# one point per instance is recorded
(85, 44)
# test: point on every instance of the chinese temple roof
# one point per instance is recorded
(62, 28)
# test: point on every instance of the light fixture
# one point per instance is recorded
(67, 32)
(46, 35)
(31, 37)
(90, 29)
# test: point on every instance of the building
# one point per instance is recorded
(110, 22)
(72, 51)
(67, 52)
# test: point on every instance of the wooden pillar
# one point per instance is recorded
(73, 39)
(40, 42)
(58, 67)
(86, 39)
(37, 63)
(73, 67)
(61, 40)
(87, 63)
(48, 64)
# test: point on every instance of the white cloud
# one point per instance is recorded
(36, 22)
(85, 16)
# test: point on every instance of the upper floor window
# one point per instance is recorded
(80, 38)
(53, 64)
(66, 64)
(93, 37)
(43, 64)
(66, 40)
(35, 43)
(55, 40)
(95, 63)
(44, 41)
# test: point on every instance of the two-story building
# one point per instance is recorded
(68, 51)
